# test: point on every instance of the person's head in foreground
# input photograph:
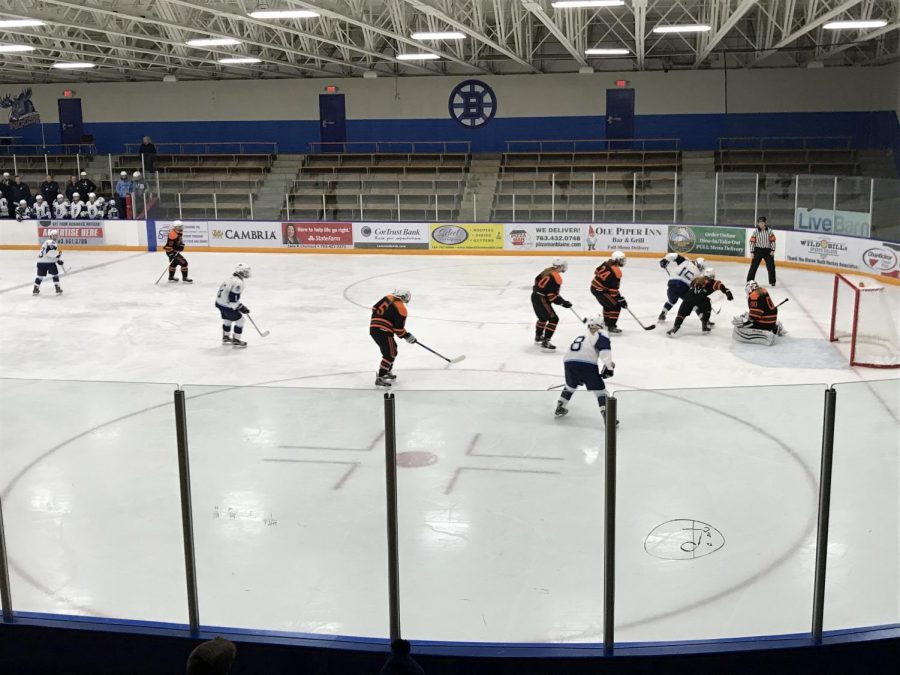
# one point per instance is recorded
(213, 657)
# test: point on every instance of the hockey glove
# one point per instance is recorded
(622, 302)
(662, 262)
(565, 303)
(729, 295)
(243, 309)
(410, 338)
(607, 371)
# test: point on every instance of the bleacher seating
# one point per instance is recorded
(824, 161)
(605, 185)
(33, 168)
(379, 186)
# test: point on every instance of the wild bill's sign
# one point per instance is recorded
(21, 109)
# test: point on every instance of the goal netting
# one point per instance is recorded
(861, 316)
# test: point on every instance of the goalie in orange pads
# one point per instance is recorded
(759, 324)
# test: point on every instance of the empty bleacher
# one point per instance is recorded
(380, 183)
(832, 156)
(33, 168)
(588, 181)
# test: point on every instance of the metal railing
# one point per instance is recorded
(785, 143)
(32, 149)
(210, 148)
(595, 145)
(391, 147)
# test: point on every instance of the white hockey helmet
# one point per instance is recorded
(53, 233)
(38, 198)
(177, 225)
(76, 195)
(595, 321)
(92, 195)
(671, 257)
(701, 262)
(243, 271)
(22, 202)
(709, 272)
(60, 198)
(618, 257)
(84, 174)
(560, 264)
(136, 174)
(124, 174)
(750, 287)
(402, 293)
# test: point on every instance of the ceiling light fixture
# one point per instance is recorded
(20, 23)
(240, 59)
(446, 35)
(603, 51)
(578, 4)
(683, 28)
(73, 65)
(838, 25)
(16, 48)
(422, 56)
(284, 14)
(212, 42)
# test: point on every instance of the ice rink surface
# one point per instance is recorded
(501, 504)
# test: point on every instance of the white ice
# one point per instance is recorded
(501, 504)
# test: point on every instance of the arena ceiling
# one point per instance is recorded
(139, 40)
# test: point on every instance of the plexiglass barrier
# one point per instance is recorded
(500, 532)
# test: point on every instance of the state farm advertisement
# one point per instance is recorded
(390, 235)
(77, 233)
(538, 236)
(245, 234)
(297, 234)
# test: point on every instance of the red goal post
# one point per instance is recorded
(861, 315)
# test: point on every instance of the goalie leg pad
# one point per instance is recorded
(754, 336)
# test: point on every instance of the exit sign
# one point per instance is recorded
(621, 83)
(68, 93)
(331, 89)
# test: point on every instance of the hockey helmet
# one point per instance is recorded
(124, 174)
(618, 258)
(403, 294)
(136, 174)
(750, 287)
(177, 225)
(671, 257)
(701, 263)
(560, 264)
(22, 202)
(92, 195)
(709, 272)
(60, 198)
(75, 195)
(242, 271)
(38, 198)
(84, 174)
(595, 321)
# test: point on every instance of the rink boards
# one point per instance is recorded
(805, 250)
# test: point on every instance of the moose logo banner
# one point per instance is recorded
(21, 110)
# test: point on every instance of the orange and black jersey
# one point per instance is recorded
(389, 316)
(548, 283)
(175, 242)
(607, 279)
(763, 312)
(705, 286)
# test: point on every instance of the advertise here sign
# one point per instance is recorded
(195, 232)
(844, 253)
(827, 221)
(475, 236)
(612, 237)
(236, 233)
(537, 236)
(707, 240)
(390, 235)
(79, 233)
(316, 235)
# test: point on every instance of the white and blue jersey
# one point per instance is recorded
(580, 363)
(590, 348)
(49, 252)
(228, 299)
(681, 272)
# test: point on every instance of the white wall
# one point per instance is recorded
(749, 91)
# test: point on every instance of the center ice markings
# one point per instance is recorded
(683, 539)
(470, 452)
(351, 465)
(235, 514)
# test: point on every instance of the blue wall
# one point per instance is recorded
(696, 131)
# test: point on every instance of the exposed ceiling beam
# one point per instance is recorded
(555, 30)
(453, 23)
(639, 7)
(865, 37)
(743, 7)
(808, 28)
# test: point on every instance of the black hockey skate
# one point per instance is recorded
(36, 290)
(549, 346)
(603, 414)
(671, 332)
(381, 381)
(613, 329)
(561, 410)
(662, 316)
(237, 343)
(58, 290)
(226, 340)
(186, 280)
(706, 327)
(173, 280)
(389, 376)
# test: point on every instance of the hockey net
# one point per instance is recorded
(861, 316)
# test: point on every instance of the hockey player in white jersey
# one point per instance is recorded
(112, 213)
(681, 272)
(78, 208)
(60, 208)
(4, 207)
(580, 363)
(49, 257)
(41, 208)
(96, 206)
(22, 211)
(228, 302)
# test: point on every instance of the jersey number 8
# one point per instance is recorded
(576, 344)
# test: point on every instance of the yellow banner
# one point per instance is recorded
(482, 236)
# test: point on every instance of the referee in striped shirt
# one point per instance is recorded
(762, 247)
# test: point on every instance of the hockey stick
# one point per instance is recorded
(262, 333)
(650, 327)
(168, 264)
(556, 386)
(576, 315)
(65, 271)
(453, 360)
(781, 303)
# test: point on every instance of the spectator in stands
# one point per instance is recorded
(400, 662)
(85, 186)
(71, 187)
(148, 152)
(5, 184)
(213, 657)
(124, 187)
(49, 188)
(19, 191)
